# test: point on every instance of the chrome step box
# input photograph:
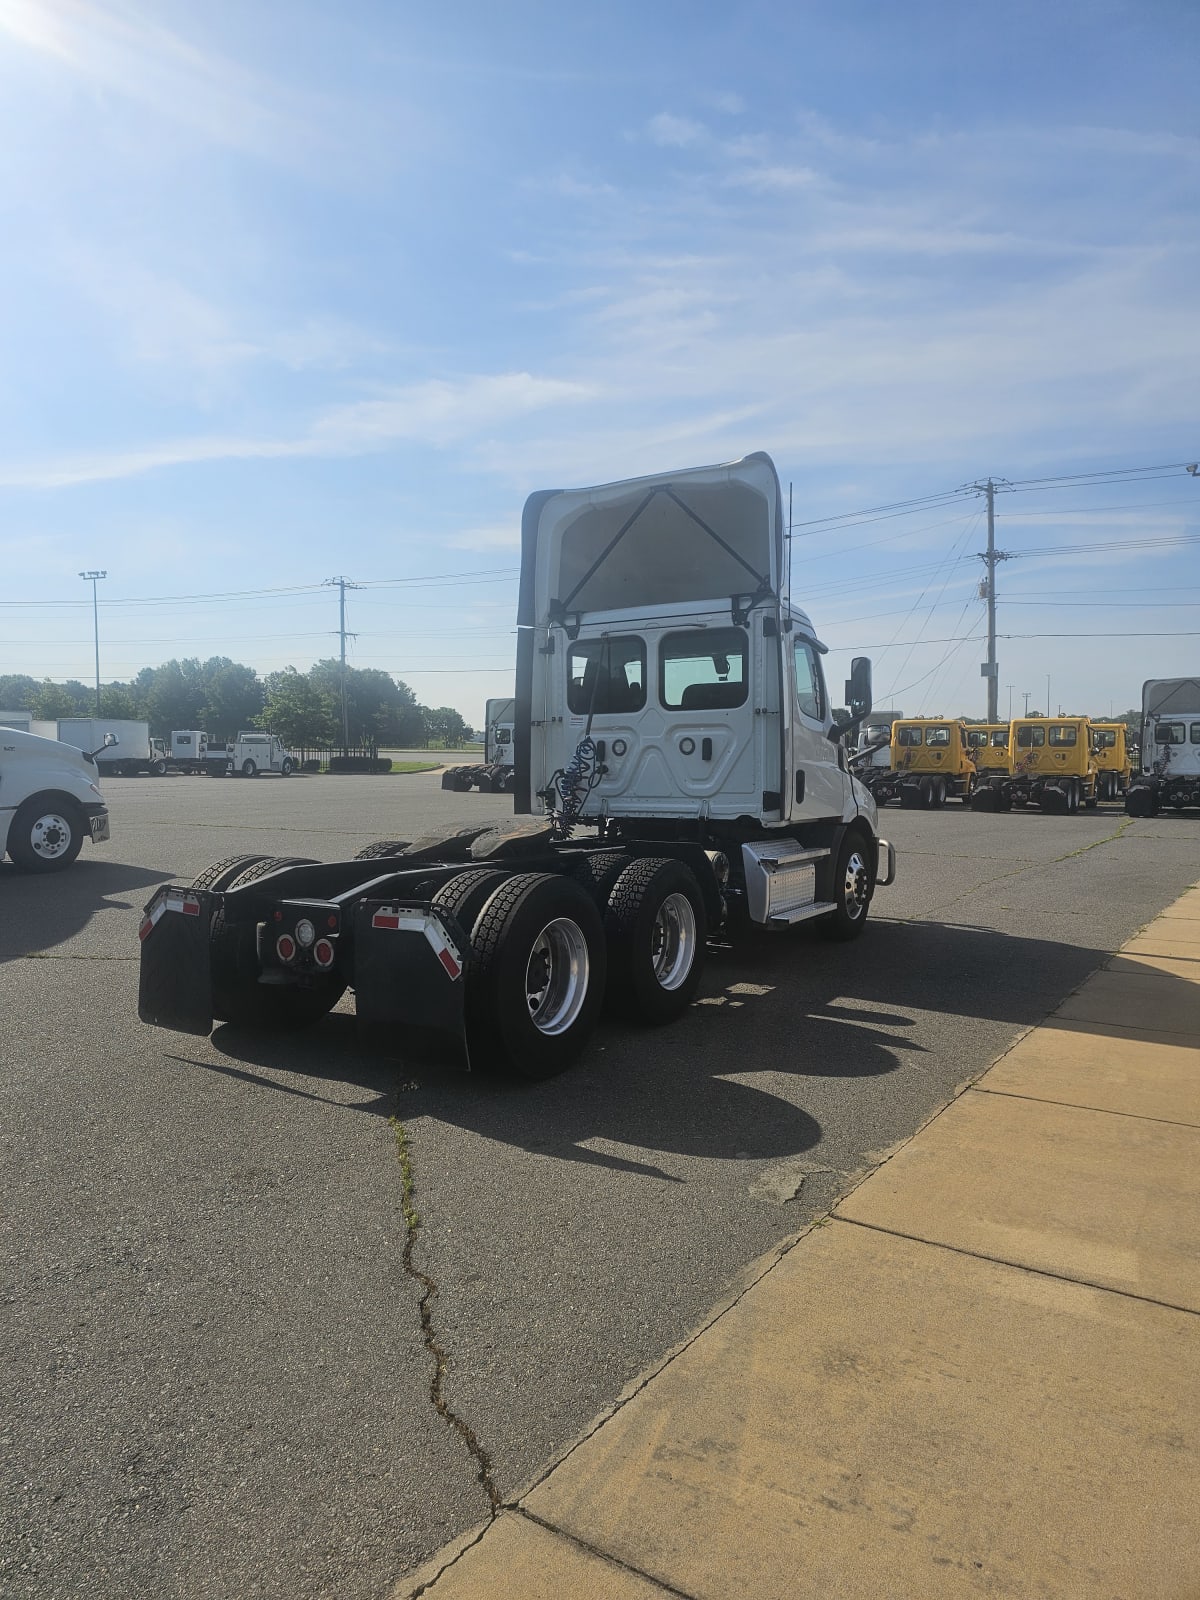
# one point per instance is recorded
(781, 881)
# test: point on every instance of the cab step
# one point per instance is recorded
(781, 882)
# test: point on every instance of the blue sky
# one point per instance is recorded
(294, 290)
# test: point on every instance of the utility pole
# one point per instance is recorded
(342, 584)
(990, 669)
(1025, 692)
(1009, 687)
(93, 578)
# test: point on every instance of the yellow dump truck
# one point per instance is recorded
(988, 744)
(1051, 765)
(930, 764)
(1114, 760)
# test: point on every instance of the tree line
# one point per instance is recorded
(221, 696)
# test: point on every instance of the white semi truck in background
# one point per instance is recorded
(496, 774)
(677, 770)
(1170, 748)
(50, 801)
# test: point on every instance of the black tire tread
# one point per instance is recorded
(628, 993)
(222, 873)
(381, 849)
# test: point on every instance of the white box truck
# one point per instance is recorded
(50, 802)
(678, 770)
(134, 749)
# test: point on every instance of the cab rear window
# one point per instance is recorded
(1061, 735)
(1170, 733)
(703, 669)
(938, 737)
(606, 676)
(1030, 738)
(908, 736)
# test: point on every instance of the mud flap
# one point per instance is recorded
(175, 985)
(409, 968)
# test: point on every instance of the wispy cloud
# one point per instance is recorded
(438, 413)
(668, 129)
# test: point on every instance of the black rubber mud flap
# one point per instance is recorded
(409, 969)
(175, 986)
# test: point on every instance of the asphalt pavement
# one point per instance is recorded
(217, 1378)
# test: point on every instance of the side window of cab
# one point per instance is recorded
(810, 686)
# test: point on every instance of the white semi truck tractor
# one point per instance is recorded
(1170, 748)
(677, 770)
(50, 801)
(496, 773)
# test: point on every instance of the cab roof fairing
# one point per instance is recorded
(702, 534)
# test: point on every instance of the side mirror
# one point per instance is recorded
(858, 689)
(109, 740)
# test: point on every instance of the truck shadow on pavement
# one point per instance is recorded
(41, 910)
(735, 1077)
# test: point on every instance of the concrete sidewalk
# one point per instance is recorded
(980, 1376)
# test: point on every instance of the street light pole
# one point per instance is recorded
(93, 578)
(1009, 687)
(1025, 692)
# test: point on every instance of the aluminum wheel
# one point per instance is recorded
(673, 942)
(50, 837)
(855, 889)
(556, 976)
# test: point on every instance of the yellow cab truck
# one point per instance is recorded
(1051, 765)
(1114, 759)
(930, 764)
(988, 744)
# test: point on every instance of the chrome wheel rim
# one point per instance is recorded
(673, 941)
(556, 976)
(854, 890)
(50, 836)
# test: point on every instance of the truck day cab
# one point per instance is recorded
(677, 769)
(50, 802)
(1170, 748)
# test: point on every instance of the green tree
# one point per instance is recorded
(17, 691)
(52, 701)
(301, 714)
(118, 700)
(233, 698)
(448, 725)
(379, 710)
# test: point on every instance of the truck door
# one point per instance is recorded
(819, 786)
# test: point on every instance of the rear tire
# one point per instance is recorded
(381, 849)
(287, 768)
(464, 897)
(249, 770)
(656, 929)
(535, 977)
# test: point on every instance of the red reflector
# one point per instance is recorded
(145, 927)
(331, 920)
(385, 919)
(279, 916)
(285, 947)
(448, 961)
(323, 953)
(191, 908)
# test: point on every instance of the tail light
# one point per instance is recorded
(285, 947)
(323, 953)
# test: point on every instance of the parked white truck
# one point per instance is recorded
(50, 801)
(133, 750)
(189, 750)
(678, 769)
(496, 774)
(1170, 748)
(252, 753)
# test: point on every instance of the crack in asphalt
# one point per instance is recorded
(429, 1294)
(1017, 872)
